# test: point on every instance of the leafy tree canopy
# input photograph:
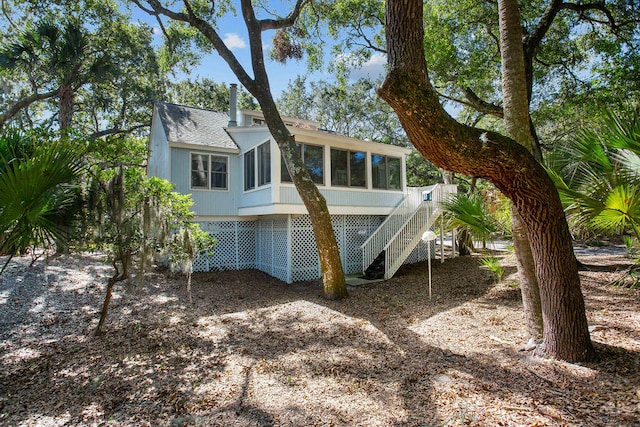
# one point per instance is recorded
(205, 93)
(111, 67)
(351, 109)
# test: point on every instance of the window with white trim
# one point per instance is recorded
(264, 164)
(348, 168)
(209, 172)
(250, 170)
(386, 172)
(257, 163)
(313, 158)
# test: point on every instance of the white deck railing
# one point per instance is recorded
(401, 231)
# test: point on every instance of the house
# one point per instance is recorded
(243, 194)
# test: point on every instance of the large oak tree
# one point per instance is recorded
(500, 160)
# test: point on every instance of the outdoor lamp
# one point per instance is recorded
(428, 237)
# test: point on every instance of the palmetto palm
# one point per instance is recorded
(470, 213)
(598, 175)
(57, 62)
(37, 186)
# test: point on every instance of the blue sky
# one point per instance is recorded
(232, 30)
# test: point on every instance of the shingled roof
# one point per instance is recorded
(195, 125)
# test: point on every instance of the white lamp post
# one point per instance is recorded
(428, 237)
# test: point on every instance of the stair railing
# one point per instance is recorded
(392, 223)
(401, 232)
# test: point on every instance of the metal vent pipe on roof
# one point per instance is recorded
(233, 104)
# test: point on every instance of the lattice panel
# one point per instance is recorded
(304, 254)
(280, 249)
(272, 248)
(235, 249)
(246, 254)
(200, 264)
(420, 253)
(350, 230)
(265, 246)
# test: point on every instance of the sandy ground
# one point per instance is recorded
(250, 350)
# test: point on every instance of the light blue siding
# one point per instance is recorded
(260, 197)
(289, 195)
(250, 138)
(205, 202)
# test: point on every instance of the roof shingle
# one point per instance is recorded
(195, 125)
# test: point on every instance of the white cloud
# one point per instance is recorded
(374, 67)
(156, 31)
(233, 41)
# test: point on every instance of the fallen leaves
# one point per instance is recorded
(251, 350)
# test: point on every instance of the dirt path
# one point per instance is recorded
(251, 350)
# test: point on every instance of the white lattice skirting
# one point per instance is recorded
(285, 248)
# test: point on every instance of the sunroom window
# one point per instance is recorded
(260, 167)
(250, 170)
(264, 164)
(209, 172)
(348, 168)
(386, 172)
(313, 158)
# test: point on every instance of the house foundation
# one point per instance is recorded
(284, 247)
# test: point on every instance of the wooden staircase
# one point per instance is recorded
(376, 269)
(393, 241)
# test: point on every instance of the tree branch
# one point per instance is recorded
(207, 31)
(480, 104)
(369, 44)
(600, 7)
(532, 41)
(7, 15)
(117, 131)
(288, 21)
(25, 102)
(254, 29)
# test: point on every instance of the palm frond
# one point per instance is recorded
(36, 191)
(621, 209)
(470, 212)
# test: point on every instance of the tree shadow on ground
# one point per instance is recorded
(253, 351)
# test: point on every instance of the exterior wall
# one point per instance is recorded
(206, 202)
(344, 197)
(260, 197)
(247, 138)
(159, 157)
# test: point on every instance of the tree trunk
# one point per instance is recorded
(516, 123)
(529, 286)
(65, 112)
(105, 305)
(335, 286)
(498, 159)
